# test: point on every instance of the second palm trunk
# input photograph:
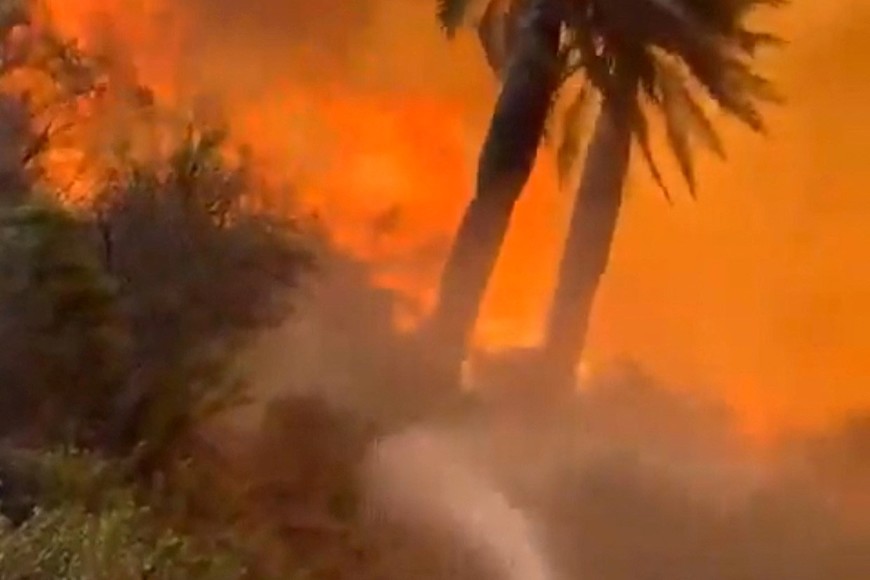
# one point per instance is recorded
(587, 247)
(506, 161)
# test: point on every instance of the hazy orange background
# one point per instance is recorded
(759, 291)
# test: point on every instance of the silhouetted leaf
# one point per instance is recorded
(641, 131)
(572, 134)
(492, 30)
(452, 14)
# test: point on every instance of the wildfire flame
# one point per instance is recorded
(756, 290)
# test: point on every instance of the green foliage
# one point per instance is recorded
(122, 326)
(59, 476)
(88, 525)
(121, 321)
(63, 339)
(199, 273)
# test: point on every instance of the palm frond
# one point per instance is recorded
(551, 124)
(750, 41)
(677, 132)
(728, 16)
(570, 145)
(735, 88)
(668, 53)
(452, 14)
(663, 51)
(641, 133)
(676, 10)
(684, 118)
(492, 30)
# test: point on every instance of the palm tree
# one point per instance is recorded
(635, 53)
(626, 51)
(526, 58)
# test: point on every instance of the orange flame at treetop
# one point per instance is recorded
(754, 290)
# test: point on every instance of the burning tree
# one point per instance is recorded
(123, 313)
(633, 55)
(531, 79)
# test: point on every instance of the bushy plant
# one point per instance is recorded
(63, 339)
(122, 324)
(87, 524)
(200, 272)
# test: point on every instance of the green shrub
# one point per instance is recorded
(200, 272)
(64, 341)
(122, 324)
(87, 524)
(118, 544)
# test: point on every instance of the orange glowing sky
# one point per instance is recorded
(759, 291)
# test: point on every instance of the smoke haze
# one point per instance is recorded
(753, 292)
(752, 305)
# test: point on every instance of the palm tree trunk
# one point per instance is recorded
(587, 248)
(506, 161)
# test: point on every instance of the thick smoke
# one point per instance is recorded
(754, 291)
(637, 480)
(641, 484)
